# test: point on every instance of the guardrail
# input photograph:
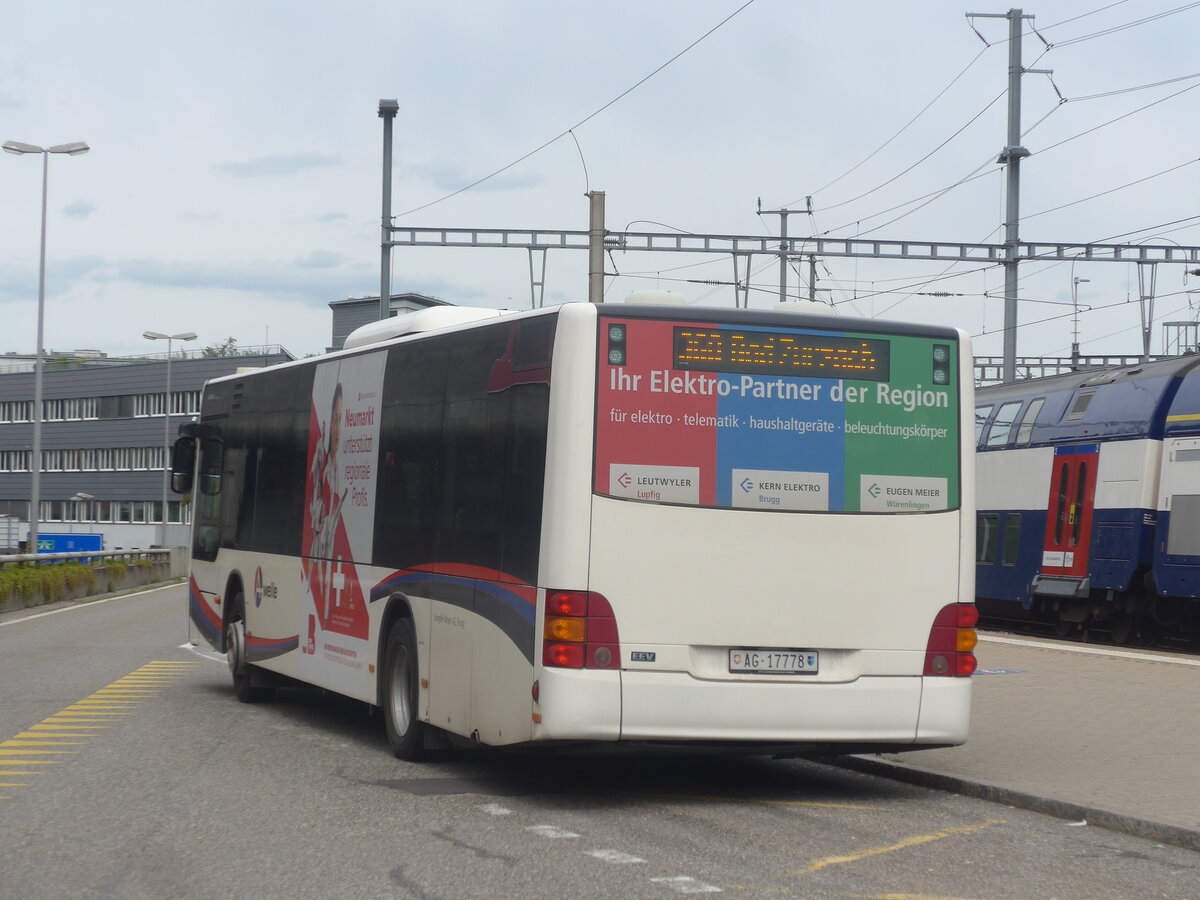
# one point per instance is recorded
(160, 554)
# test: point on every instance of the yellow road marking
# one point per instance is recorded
(82, 719)
(71, 724)
(915, 841)
(4, 752)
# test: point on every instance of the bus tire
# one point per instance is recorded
(245, 678)
(405, 733)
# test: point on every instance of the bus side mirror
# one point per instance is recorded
(183, 464)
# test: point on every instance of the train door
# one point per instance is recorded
(1069, 512)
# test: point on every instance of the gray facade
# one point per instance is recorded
(103, 442)
(358, 311)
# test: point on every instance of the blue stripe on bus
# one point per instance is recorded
(507, 610)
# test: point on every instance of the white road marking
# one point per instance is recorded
(210, 655)
(685, 885)
(495, 809)
(551, 831)
(1090, 651)
(615, 856)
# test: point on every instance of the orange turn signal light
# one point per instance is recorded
(565, 628)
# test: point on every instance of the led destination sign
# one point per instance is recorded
(781, 353)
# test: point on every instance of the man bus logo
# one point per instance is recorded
(258, 587)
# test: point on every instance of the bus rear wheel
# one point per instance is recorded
(405, 733)
(245, 686)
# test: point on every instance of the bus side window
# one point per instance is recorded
(212, 455)
(206, 531)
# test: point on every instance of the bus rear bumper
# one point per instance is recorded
(674, 706)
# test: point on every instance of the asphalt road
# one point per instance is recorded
(131, 771)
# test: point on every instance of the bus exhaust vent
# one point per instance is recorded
(415, 322)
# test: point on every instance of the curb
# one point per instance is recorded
(1175, 835)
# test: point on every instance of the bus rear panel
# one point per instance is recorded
(775, 520)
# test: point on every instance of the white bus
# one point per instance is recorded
(601, 523)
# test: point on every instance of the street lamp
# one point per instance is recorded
(158, 336)
(35, 463)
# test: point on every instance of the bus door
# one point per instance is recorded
(1069, 512)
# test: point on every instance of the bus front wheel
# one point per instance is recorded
(405, 733)
(245, 687)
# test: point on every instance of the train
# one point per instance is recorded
(1088, 501)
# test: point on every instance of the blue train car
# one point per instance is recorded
(1088, 499)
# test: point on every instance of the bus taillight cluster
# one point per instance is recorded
(580, 632)
(952, 640)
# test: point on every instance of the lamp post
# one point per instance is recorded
(35, 463)
(158, 336)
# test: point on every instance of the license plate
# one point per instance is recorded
(761, 661)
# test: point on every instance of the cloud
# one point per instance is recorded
(288, 164)
(80, 209)
(332, 217)
(321, 259)
(318, 282)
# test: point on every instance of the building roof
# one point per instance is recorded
(410, 297)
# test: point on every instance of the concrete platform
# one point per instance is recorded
(1106, 734)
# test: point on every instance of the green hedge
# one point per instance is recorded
(51, 582)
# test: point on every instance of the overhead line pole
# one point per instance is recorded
(1011, 156)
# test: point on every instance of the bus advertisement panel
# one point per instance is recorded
(776, 418)
(339, 521)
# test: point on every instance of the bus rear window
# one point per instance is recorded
(776, 418)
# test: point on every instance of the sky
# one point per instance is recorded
(234, 182)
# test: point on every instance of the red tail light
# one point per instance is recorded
(951, 640)
(580, 632)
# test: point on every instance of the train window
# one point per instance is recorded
(1012, 539)
(1077, 507)
(1060, 513)
(981, 417)
(1183, 530)
(1082, 400)
(1003, 423)
(986, 532)
(1025, 429)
